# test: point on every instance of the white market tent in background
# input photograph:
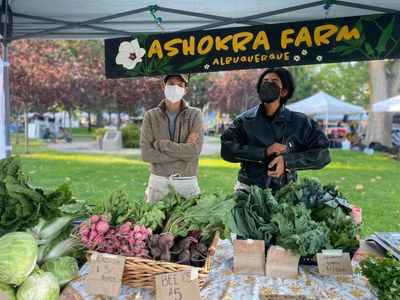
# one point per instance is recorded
(98, 19)
(389, 105)
(323, 103)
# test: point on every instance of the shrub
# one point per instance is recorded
(100, 131)
(130, 136)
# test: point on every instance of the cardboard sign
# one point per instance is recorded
(105, 274)
(249, 257)
(178, 286)
(334, 263)
(282, 263)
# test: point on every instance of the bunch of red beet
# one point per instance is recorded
(127, 239)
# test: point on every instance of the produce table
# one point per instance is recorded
(222, 283)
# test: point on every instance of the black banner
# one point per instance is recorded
(322, 41)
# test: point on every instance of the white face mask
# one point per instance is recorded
(174, 93)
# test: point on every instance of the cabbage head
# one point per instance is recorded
(18, 252)
(65, 268)
(39, 285)
(7, 290)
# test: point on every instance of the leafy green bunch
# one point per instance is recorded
(21, 203)
(383, 274)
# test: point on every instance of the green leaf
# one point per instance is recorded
(350, 51)
(369, 49)
(370, 17)
(339, 49)
(385, 36)
(141, 39)
(359, 25)
(192, 64)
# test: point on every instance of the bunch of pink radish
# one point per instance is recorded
(127, 239)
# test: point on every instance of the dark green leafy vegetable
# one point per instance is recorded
(21, 203)
(251, 216)
(297, 232)
(206, 213)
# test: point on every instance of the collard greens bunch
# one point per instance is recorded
(303, 217)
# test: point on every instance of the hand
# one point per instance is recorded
(192, 138)
(276, 148)
(279, 162)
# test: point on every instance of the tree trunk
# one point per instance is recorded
(379, 124)
(70, 123)
(385, 83)
(118, 121)
(99, 119)
(26, 111)
(89, 123)
(17, 126)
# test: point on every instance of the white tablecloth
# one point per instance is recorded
(223, 284)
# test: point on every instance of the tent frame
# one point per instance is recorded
(98, 24)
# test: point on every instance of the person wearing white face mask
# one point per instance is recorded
(171, 140)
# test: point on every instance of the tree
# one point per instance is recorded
(384, 80)
(199, 85)
(346, 81)
(304, 84)
(31, 77)
(235, 91)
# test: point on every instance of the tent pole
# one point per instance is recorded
(6, 86)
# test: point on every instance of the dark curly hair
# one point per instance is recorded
(286, 78)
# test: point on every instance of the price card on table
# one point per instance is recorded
(334, 263)
(178, 286)
(282, 263)
(249, 257)
(105, 274)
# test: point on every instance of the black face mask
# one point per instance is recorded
(269, 92)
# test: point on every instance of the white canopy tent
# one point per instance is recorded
(323, 103)
(75, 19)
(389, 105)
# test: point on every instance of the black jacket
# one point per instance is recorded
(247, 138)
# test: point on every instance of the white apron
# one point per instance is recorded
(157, 187)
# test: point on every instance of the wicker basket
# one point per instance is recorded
(141, 273)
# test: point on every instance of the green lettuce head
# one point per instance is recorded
(39, 285)
(18, 253)
(65, 268)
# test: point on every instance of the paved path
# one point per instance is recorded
(211, 146)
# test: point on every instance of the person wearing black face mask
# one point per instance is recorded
(271, 142)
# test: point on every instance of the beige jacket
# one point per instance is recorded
(169, 157)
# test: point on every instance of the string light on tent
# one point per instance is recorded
(153, 9)
(328, 6)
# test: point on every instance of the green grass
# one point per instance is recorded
(82, 133)
(372, 182)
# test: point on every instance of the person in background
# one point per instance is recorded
(48, 135)
(271, 142)
(64, 136)
(171, 141)
(321, 124)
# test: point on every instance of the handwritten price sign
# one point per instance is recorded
(177, 286)
(105, 274)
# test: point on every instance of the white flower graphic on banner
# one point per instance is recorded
(319, 58)
(296, 58)
(129, 54)
(207, 66)
(304, 52)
